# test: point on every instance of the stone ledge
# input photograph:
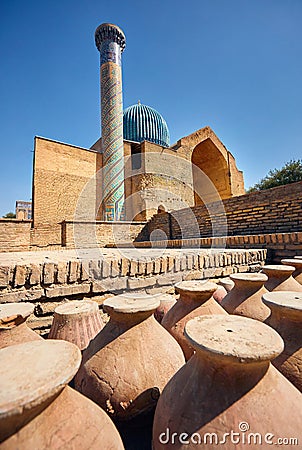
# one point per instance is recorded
(69, 290)
(61, 277)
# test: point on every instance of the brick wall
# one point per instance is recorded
(14, 235)
(94, 234)
(61, 171)
(278, 245)
(276, 210)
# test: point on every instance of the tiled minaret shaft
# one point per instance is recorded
(110, 41)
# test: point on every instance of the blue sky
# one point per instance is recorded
(235, 65)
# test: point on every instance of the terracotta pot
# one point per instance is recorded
(127, 365)
(227, 283)
(297, 264)
(37, 408)
(166, 303)
(219, 294)
(228, 386)
(13, 327)
(245, 299)
(280, 278)
(196, 299)
(78, 322)
(286, 318)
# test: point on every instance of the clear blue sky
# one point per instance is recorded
(235, 65)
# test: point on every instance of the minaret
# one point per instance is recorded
(110, 41)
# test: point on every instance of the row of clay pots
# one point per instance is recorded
(230, 371)
(105, 375)
(280, 278)
(249, 298)
(80, 321)
(76, 321)
(245, 298)
(228, 391)
(122, 372)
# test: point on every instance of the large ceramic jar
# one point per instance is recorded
(286, 318)
(196, 299)
(280, 278)
(78, 322)
(13, 326)
(127, 365)
(166, 301)
(297, 264)
(37, 408)
(245, 299)
(225, 285)
(228, 390)
(219, 294)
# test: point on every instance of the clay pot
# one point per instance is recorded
(227, 283)
(227, 386)
(280, 278)
(13, 327)
(166, 303)
(37, 408)
(196, 299)
(286, 318)
(245, 299)
(127, 365)
(297, 264)
(78, 322)
(219, 294)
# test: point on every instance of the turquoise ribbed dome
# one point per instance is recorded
(143, 123)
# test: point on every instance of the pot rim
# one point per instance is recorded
(289, 300)
(236, 338)
(33, 372)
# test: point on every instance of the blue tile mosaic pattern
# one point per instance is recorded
(143, 123)
(110, 41)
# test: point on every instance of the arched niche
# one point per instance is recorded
(211, 178)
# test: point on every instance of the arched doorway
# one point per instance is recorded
(211, 177)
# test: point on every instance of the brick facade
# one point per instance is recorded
(60, 174)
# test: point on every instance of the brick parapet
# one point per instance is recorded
(278, 245)
(272, 211)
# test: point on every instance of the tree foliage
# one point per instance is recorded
(9, 215)
(289, 173)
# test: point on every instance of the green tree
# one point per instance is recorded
(9, 215)
(289, 173)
